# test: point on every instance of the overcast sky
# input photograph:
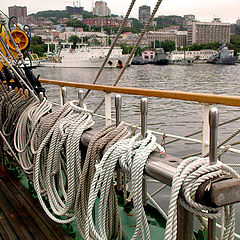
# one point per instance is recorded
(205, 10)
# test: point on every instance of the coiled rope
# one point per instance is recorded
(132, 155)
(24, 131)
(60, 179)
(108, 136)
(191, 173)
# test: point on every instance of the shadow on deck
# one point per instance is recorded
(21, 216)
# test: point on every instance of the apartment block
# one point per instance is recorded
(144, 13)
(101, 9)
(19, 12)
(208, 32)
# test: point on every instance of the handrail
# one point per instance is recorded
(186, 96)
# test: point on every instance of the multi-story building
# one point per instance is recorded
(144, 13)
(179, 37)
(19, 12)
(208, 32)
(238, 22)
(111, 22)
(74, 10)
(101, 9)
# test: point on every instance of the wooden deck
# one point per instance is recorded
(21, 216)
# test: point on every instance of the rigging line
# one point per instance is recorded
(6, 49)
(134, 49)
(113, 44)
(199, 131)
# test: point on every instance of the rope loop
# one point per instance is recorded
(191, 173)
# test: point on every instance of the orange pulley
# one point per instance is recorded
(20, 38)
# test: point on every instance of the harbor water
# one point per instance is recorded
(164, 115)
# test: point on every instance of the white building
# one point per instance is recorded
(192, 55)
(101, 9)
(208, 32)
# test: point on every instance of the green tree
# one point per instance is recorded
(168, 46)
(38, 46)
(75, 40)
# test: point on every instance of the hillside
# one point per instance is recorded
(171, 20)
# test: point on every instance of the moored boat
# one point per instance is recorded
(86, 57)
(223, 57)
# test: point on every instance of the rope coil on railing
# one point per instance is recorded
(132, 155)
(68, 130)
(189, 176)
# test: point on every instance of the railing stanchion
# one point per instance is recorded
(205, 129)
(108, 108)
(144, 112)
(80, 98)
(118, 106)
(63, 95)
(213, 122)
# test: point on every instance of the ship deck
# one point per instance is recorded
(21, 216)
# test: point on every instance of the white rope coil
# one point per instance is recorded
(60, 178)
(24, 131)
(191, 173)
(132, 155)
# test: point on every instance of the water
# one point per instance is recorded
(168, 116)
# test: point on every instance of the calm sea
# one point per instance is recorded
(168, 116)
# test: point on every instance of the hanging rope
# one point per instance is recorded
(132, 155)
(108, 136)
(24, 131)
(61, 179)
(191, 173)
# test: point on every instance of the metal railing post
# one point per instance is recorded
(81, 98)
(144, 112)
(63, 95)
(213, 122)
(205, 129)
(118, 106)
(108, 108)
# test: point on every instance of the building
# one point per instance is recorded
(74, 10)
(19, 12)
(238, 22)
(101, 9)
(179, 37)
(208, 32)
(110, 22)
(189, 17)
(144, 14)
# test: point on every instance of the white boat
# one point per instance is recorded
(87, 57)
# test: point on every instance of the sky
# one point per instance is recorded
(205, 10)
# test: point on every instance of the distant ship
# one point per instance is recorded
(160, 58)
(87, 57)
(223, 57)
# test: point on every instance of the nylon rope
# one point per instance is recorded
(190, 174)
(60, 187)
(101, 142)
(132, 155)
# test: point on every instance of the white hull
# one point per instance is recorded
(88, 58)
(88, 63)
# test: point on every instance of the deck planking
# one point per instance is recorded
(21, 216)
